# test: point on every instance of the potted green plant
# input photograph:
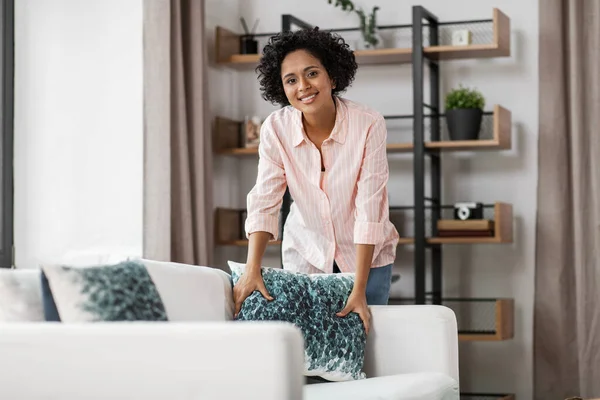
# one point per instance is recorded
(344, 4)
(368, 23)
(464, 109)
(368, 28)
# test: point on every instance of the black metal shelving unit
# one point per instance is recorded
(426, 34)
(419, 62)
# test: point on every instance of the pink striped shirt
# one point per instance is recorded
(332, 213)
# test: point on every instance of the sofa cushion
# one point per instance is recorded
(334, 346)
(413, 386)
(191, 292)
(20, 295)
(118, 292)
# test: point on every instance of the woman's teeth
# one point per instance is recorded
(308, 99)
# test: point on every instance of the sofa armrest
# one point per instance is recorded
(412, 338)
(151, 360)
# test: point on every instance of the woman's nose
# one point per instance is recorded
(304, 84)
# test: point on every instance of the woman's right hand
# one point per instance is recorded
(250, 281)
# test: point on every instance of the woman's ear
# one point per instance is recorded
(332, 84)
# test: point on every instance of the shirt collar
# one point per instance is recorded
(338, 134)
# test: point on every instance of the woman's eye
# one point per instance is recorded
(291, 81)
(312, 73)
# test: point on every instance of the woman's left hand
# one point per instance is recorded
(357, 302)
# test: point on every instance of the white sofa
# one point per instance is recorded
(412, 351)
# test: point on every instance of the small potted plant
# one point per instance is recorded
(464, 109)
(368, 28)
(368, 23)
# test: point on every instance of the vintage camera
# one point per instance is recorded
(468, 210)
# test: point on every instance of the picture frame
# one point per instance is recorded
(250, 134)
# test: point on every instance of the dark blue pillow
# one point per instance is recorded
(50, 310)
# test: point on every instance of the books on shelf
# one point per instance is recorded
(465, 228)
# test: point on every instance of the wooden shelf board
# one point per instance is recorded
(478, 337)
(244, 59)
(227, 44)
(465, 52)
(390, 55)
(241, 61)
(498, 396)
(483, 144)
(464, 240)
(383, 56)
(503, 230)
(501, 140)
(406, 240)
(400, 147)
(227, 131)
(250, 151)
(447, 145)
(481, 337)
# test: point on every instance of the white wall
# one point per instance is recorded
(510, 176)
(78, 127)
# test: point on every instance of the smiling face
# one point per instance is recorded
(306, 83)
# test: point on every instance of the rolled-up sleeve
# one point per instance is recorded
(371, 199)
(265, 198)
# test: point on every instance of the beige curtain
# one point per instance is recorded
(567, 292)
(178, 158)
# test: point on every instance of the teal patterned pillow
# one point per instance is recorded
(334, 346)
(118, 292)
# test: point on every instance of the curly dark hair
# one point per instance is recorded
(330, 49)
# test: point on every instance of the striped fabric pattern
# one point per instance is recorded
(328, 216)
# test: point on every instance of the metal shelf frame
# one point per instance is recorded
(420, 153)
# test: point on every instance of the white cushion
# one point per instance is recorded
(412, 338)
(417, 386)
(20, 295)
(191, 292)
(150, 361)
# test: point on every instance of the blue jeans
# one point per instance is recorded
(378, 284)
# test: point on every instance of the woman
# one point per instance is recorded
(331, 154)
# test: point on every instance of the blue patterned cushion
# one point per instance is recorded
(118, 292)
(334, 346)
